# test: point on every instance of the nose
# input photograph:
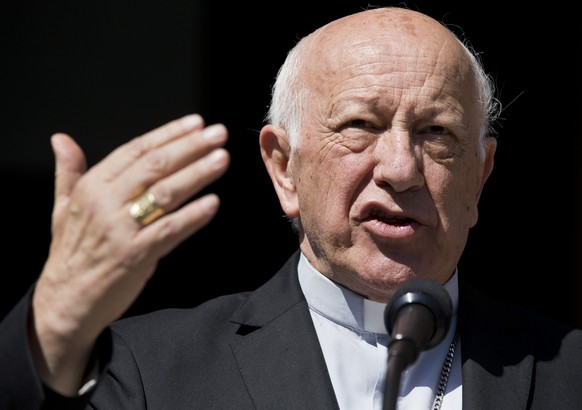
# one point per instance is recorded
(398, 162)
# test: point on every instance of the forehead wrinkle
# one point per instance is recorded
(391, 90)
(375, 61)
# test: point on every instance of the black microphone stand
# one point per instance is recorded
(417, 317)
(403, 351)
(395, 368)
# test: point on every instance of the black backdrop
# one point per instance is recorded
(110, 70)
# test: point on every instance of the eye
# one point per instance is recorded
(439, 142)
(356, 134)
(358, 123)
(436, 130)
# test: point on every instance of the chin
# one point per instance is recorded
(386, 276)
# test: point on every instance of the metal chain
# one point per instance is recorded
(446, 370)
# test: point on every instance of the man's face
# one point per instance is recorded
(389, 165)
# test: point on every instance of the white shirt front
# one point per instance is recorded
(354, 340)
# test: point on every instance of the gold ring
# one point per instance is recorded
(145, 209)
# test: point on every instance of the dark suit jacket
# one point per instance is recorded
(259, 350)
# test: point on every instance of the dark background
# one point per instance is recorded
(107, 71)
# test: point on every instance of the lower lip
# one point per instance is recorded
(382, 230)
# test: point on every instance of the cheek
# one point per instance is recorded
(329, 184)
(318, 184)
(455, 194)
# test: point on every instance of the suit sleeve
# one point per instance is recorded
(21, 387)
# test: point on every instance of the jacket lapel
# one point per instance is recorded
(279, 331)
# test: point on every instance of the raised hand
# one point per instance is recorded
(101, 254)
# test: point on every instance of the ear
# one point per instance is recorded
(276, 154)
(490, 148)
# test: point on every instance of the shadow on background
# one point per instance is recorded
(106, 72)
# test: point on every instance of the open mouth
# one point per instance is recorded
(389, 219)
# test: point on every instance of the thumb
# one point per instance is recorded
(70, 165)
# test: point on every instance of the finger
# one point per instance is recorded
(172, 158)
(174, 190)
(125, 155)
(165, 234)
(70, 165)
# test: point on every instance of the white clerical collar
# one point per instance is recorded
(344, 307)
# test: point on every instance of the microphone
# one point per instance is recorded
(418, 318)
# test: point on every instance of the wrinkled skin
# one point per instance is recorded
(100, 258)
(390, 162)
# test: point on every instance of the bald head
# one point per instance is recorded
(391, 38)
(393, 24)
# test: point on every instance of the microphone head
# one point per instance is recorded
(426, 292)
